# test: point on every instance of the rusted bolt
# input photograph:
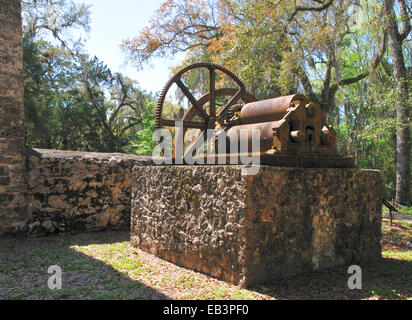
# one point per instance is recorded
(296, 135)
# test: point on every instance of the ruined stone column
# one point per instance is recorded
(13, 186)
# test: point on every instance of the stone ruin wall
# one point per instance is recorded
(13, 186)
(70, 192)
(78, 191)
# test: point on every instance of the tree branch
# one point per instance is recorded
(304, 80)
(317, 9)
(406, 27)
(97, 106)
(375, 62)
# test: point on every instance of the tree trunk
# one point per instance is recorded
(402, 108)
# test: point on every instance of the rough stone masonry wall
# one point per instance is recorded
(250, 229)
(13, 186)
(79, 191)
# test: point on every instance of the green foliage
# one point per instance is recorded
(144, 141)
(73, 101)
(406, 210)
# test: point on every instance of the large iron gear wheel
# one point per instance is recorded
(208, 120)
(211, 119)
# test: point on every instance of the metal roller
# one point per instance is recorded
(268, 110)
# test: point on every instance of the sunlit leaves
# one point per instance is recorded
(176, 26)
(144, 143)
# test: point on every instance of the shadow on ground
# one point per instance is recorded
(24, 267)
(384, 279)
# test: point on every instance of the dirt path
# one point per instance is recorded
(398, 216)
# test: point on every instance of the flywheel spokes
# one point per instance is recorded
(197, 116)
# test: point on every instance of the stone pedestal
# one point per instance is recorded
(249, 229)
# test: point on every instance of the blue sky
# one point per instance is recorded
(113, 21)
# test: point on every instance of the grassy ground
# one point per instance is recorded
(104, 266)
(406, 210)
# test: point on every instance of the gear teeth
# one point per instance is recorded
(159, 107)
(160, 101)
